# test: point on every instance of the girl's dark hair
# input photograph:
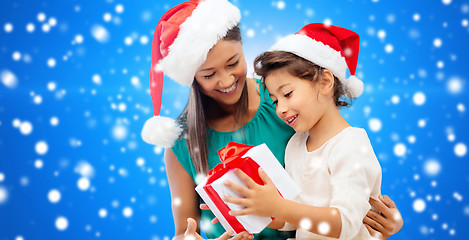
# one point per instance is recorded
(194, 117)
(297, 66)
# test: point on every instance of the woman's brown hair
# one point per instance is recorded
(298, 67)
(194, 117)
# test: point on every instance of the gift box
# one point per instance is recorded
(247, 159)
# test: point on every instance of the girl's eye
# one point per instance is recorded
(276, 102)
(288, 94)
(209, 76)
(234, 64)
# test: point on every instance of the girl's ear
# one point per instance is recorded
(327, 82)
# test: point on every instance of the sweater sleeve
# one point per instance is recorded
(355, 177)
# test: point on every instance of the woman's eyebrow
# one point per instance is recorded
(231, 58)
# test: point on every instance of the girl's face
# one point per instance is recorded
(223, 74)
(299, 102)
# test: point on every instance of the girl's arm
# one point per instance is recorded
(264, 200)
(185, 209)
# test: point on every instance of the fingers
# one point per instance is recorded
(191, 227)
(265, 178)
(376, 216)
(243, 235)
(381, 207)
(245, 178)
(237, 188)
(373, 232)
(387, 200)
(243, 212)
(215, 220)
(204, 206)
(373, 224)
(226, 235)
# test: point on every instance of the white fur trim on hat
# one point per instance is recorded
(314, 51)
(209, 22)
(161, 131)
(354, 86)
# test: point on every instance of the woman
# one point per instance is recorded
(198, 43)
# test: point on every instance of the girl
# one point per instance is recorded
(333, 163)
(198, 43)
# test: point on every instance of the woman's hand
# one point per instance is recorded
(259, 200)
(387, 223)
(191, 233)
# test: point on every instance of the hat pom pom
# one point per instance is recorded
(354, 86)
(161, 131)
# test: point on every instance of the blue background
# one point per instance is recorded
(421, 145)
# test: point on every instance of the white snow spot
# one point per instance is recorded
(306, 223)
(41, 147)
(389, 48)
(119, 8)
(143, 40)
(8, 79)
(30, 27)
(460, 149)
(102, 213)
(140, 162)
(41, 17)
(26, 128)
(416, 17)
(100, 33)
(51, 86)
(96, 79)
(54, 121)
(127, 212)
(381, 34)
(400, 149)
(51, 62)
(38, 163)
(324, 228)
(455, 85)
(3, 195)
(54, 196)
(37, 99)
(79, 38)
(16, 56)
(250, 33)
(107, 17)
(8, 27)
(84, 169)
(281, 5)
(61, 223)
(437, 42)
(119, 132)
(419, 205)
(375, 124)
(83, 184)
(432, 167)
(419, 98)
(446, 2)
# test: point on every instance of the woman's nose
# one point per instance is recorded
(226, 80)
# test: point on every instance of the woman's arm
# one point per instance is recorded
(184, 201)
(387, 223)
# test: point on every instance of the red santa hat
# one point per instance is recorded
(183, 37)
(328, 46)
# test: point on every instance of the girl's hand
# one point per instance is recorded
(259, 200)
(191, 233)
(387, 223)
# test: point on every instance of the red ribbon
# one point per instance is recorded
(231, 157)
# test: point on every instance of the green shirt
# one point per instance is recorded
(264, 127)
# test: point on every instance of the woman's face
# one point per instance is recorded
(222, 76)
